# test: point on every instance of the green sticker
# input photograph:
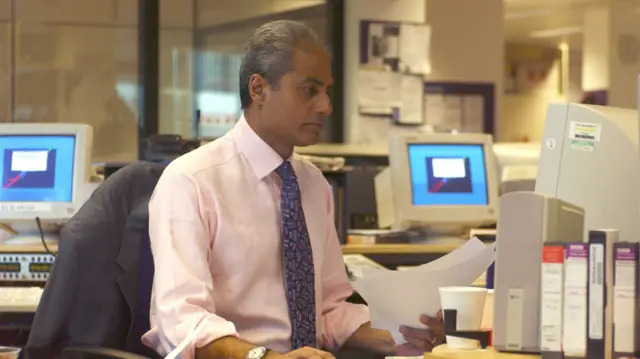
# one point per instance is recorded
(582, 145)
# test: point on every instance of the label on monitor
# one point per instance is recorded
(584, 131)
(19, 207)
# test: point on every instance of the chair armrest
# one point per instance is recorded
(90, 352)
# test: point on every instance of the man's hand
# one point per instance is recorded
(309, 353)
(372, 340)
(422, 340)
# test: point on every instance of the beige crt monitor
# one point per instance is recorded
(590, 158)
(445, 183)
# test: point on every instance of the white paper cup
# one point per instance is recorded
(469, 303)
(487, 316)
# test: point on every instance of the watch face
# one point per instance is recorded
(256, 353)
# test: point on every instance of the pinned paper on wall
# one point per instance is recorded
(391, 94)
(414, 49)
(379, 44)
(396, 46)
(376, 131)
(379, 92)
(411, 111)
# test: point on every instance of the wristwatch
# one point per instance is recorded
(257, 353)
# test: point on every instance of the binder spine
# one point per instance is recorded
(626, 301)
(599, 287)
(574, 314)
(551, 301)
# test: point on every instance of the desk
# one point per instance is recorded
(32, 248)
(476, 354)
(393, 255)
(398, 248)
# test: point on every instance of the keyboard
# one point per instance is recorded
(355, 264)
(19, 299)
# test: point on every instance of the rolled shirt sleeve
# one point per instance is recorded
(183, 289)
(340, 319)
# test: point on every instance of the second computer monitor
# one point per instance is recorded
(42, 170)
(443, 181)
(590, 158)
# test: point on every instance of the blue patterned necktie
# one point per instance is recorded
(297, 257)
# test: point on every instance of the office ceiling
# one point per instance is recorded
(550, 21)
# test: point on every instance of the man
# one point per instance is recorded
(245, 248)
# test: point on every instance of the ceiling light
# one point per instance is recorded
(561, 31)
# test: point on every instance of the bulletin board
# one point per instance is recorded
(395, 95)
(464, 107)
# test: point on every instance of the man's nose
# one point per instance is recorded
(324, 106)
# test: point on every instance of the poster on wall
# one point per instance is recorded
(462, 107)
(395, 46)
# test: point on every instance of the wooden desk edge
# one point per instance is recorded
(476, 354)
(397, 248)
(32, 248)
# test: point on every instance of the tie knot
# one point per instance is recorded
(285, 171)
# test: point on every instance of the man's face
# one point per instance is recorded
(296, 108)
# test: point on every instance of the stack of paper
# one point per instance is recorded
(398, 298)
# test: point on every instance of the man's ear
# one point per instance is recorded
(257, 89)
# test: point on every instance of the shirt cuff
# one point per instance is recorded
(342, 322)
(210, 329)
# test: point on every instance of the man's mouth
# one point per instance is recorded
(314, 125)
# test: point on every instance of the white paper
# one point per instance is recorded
(398, 298)
(415, 43)
(473, 113)
(412, 100)
(468, 250)
(379, 92)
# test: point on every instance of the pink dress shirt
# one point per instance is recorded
(214, 225)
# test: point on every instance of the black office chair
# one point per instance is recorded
(95, 304)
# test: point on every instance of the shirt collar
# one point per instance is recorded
(261, 157)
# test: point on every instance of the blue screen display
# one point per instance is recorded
(448, 175)
(37, 168)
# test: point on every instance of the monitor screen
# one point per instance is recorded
(37, 168)
(448, 174)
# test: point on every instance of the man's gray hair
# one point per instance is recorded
(269, 52)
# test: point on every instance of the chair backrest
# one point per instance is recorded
(139, 221)
(107, 239)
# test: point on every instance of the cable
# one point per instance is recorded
(44, 243)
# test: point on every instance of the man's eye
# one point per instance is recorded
(310, 91)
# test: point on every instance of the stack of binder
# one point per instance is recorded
(590, 305)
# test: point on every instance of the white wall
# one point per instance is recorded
(524, 114)
(624, 55)
(611, 60)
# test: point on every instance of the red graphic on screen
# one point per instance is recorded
(438, 185)
(13, 180)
